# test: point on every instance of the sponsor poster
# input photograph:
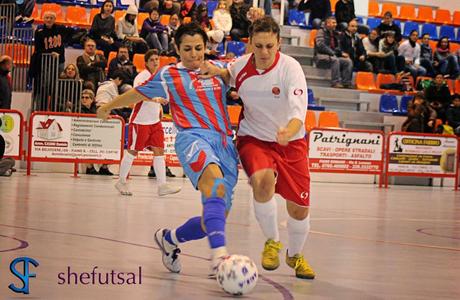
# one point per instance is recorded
(146, 157)
(423, 154)
(345, 151)
(10, 130)
(69, 137)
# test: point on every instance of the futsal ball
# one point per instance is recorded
(237, 275)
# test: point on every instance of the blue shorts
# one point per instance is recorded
(197, 148)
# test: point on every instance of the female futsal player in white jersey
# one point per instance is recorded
(271, 140)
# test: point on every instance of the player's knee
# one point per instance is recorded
(299, 213)
(263, 187)
(214, 187)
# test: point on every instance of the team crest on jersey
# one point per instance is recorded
(298, 92)
(206, 85)
(276, 91)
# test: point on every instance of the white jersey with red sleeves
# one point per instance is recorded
(271, 98)
(145, 113)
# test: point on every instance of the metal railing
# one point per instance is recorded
(44, 94)
(21, 50)
(68, 94)
(7, 14)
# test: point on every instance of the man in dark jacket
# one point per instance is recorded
(351, 44)
(453, 114)
(122, 62)
(240, 22)
(329, 55)
(91, 65)
(344, 12)
(438, 96)
(426, 56)
(388, 25)
(6, 64)
(319, 11)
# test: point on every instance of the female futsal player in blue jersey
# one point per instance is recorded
(203, 143)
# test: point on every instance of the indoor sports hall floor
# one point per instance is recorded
(366, 243)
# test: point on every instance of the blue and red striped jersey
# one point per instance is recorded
(194, 102)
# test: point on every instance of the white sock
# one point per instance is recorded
(267, 215)
(125, 166)
(297, 234)
(159, 165)
(219, 252)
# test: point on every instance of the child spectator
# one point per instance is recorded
(420, 116)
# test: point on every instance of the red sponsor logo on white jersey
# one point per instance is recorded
(276, 91)
(298, 92)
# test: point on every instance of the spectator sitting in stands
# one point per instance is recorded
(70, 72)
(328, 54)
(174, 23)
(351, 44)
(103, 29)
(438, 96)
(240, 22)
(410, 50)
(453, 114)
(448, 64)
(222, 18)
(387, 25)
(91, 65)
(128, 33)
(426, 56)
(24, 10)
(6, 64)
(201, 16)
(420, 116)
(215, 37)
(319, 11)
(344, 13)
(155, 33)
(121, 62)
(371, 45)
(388, 48)
(168, 7)
(6, 164)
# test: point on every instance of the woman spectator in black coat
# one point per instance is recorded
(103, 29)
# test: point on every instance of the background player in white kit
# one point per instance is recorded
(271, 140)
(146, 132)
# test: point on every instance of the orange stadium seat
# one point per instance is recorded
(451, 85)
(374, 10)
(164, 19)
(234, 113)
(112, 55)
(76, 15)
(19, 53)
(391, 7)
(118, 14)
(100, 52)
(443, 16)
(138, 61)
(456, 18)
(140, 19)
(425, 14)
(365, 81)
(187, 20)
(310, 120)
(454, 47)
(35, 13)
(92, 13)
(333, 3)
(457, 86)
(311, 42)
(328, 119)
(433, 45)
(407, 12)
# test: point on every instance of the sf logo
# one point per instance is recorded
(23, 274)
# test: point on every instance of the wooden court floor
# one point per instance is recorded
(365, 243)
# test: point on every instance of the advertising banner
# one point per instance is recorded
(11, 123)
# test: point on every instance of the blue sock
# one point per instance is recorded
(214, 220)
(189, 231)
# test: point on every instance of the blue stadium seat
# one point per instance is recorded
(296, 18)
(388, 103)
(212, 5)
(448, 31)
(373, 22)
(404, 102)
(431, 30)
(236, 47)
(360, 20)
(409, 26)
(312, 103)
(221, 48)
(397, 22)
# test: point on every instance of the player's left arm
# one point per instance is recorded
(209, 70)
(296, 85)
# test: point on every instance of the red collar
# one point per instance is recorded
(252, 63)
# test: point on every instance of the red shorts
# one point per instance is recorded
(145, 136)
(290, 163)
